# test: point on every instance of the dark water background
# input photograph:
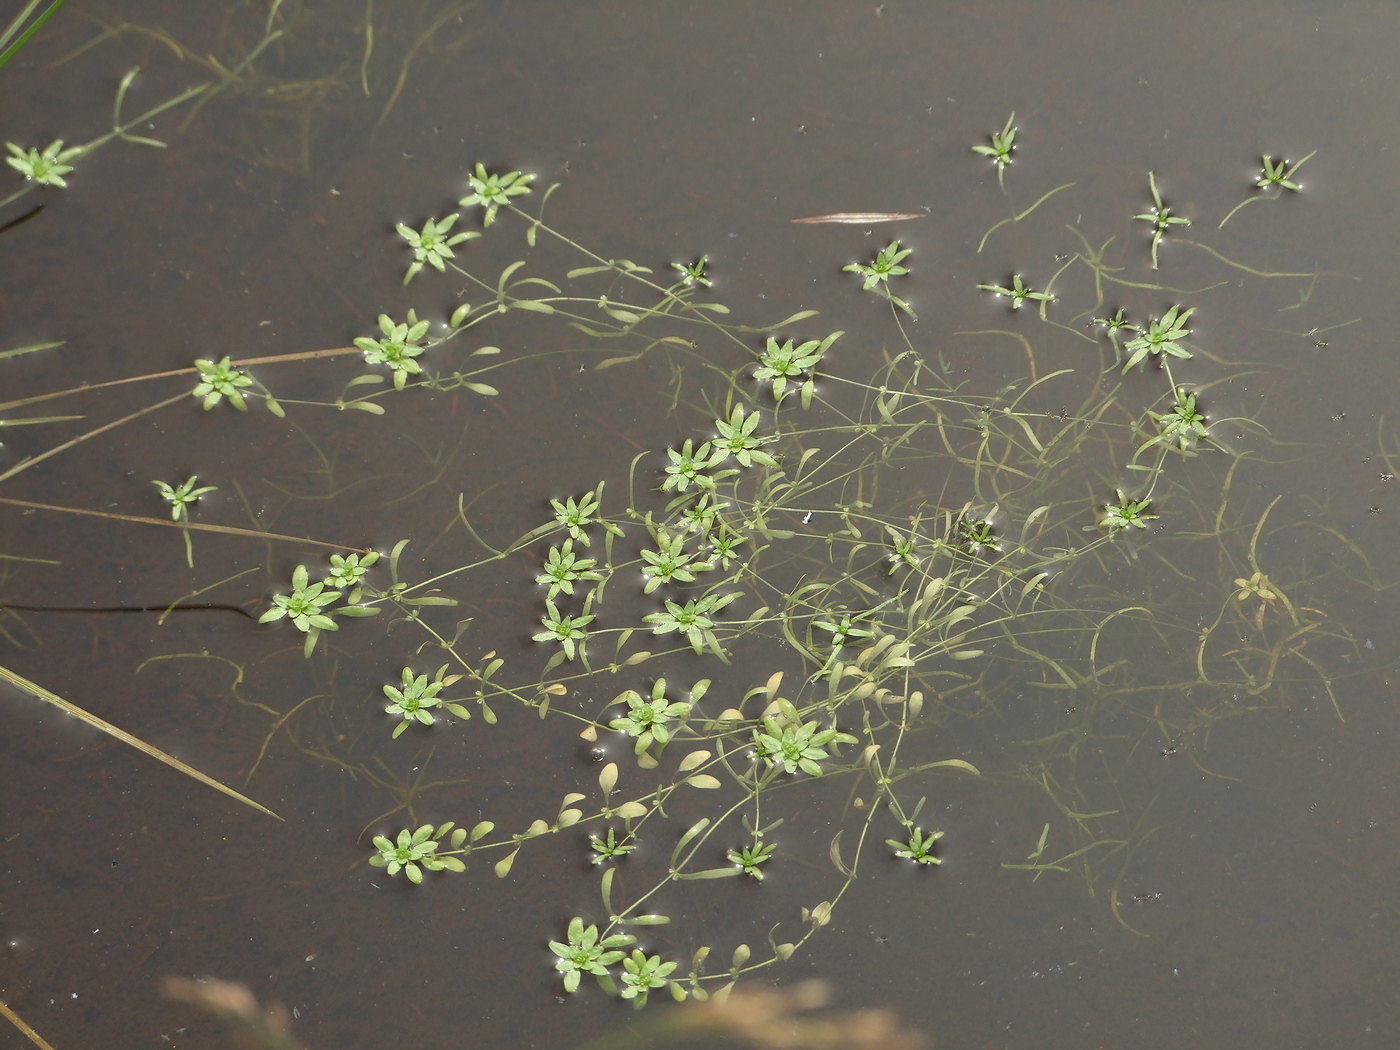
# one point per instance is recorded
(675, 131)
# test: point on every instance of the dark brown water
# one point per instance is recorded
(1258, 907)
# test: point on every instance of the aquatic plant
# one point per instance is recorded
(918, 848)
(180, 497)
(1160, 216)
(433, 244)
(1018, 293)
(218, 381)
(1278, 176)
(886, 610)
(1161, 336)
(46, 168)
(877, 273)
(999, 152)
(492, 192)
(839, 611)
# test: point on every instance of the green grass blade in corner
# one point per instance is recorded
(13, 27)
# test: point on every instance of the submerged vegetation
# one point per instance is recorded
(897, 551)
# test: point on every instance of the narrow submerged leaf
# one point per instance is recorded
(607, 890)
(609, 362)
(834, 852)
(801, 315)
(958, 763)
(695, 829)
(1033, 583)
(625, 316)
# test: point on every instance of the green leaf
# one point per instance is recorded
(692, 760)
(502, 868)
(607, 779)
(695, 829)
(958, 763)
(607, 889)
(30, 349)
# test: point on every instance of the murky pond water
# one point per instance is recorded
(1199, 713)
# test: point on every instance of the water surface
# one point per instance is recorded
(1261, 856)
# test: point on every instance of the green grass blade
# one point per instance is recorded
(9, 52)
(29, 349)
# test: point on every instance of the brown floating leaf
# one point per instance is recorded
(861, 218)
